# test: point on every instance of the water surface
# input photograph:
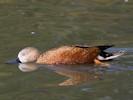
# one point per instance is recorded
(47, 24)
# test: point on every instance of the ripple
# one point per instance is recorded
(87, 89)
(106, 98)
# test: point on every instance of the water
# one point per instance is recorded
(47, 24)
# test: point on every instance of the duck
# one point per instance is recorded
(74, 54)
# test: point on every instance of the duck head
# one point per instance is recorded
(27, 54)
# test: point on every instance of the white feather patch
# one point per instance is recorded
(115, 55)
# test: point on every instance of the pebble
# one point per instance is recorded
(126, 0)
(33, 33)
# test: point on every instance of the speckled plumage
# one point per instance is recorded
(69, 55)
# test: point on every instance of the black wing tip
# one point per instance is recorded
(104, 47)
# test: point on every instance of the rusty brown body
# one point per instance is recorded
(69, 55)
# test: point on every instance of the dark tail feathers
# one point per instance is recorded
(104, 47)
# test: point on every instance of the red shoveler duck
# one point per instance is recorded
(68, 55)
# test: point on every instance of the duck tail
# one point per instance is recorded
(104, 47)
(104, 56)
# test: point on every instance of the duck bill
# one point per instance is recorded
(16, 61)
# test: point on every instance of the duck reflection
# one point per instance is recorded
(28, 67)
(75, 74)
(78, 75)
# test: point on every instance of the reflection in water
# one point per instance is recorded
(75, 74)
(28, 67)
(77, 77)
